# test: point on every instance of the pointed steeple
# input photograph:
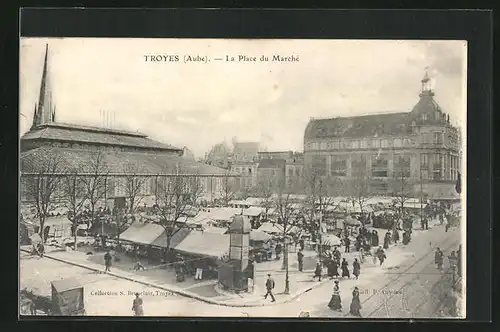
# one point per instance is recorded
(36, 119)
(45, 98)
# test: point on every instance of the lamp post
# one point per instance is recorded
(453, 264)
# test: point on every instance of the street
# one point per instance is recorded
(404, 287)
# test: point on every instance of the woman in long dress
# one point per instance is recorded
(345, 269)
(355, 303)
(336, 302)
(137, 306)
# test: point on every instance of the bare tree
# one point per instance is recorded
(74, 200)
(402, 189)
(359, 189)
(264, 190)
(95, 180)
(176, 196)
(287, 219)
(320, 190)
(227, 189)
(134, 186)
(42, 185)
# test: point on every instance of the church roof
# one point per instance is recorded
(94, 135)
(61, 160)
(359, 126)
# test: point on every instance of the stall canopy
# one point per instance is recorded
(352, 222)
(205, 244)
(177, 238)
(330, 240)
(270, 228)
(152, 234)
(253, 211)
(256, 235)
(217, 230)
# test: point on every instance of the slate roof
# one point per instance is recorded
(359, 126)
(386, 124)
(271, 163)
(55, 159)
(85, 134)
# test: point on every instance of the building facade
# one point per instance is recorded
(247, 172)
(420, 146)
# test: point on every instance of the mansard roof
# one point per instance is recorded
(94, 135)
(359, 126)
(425, 112)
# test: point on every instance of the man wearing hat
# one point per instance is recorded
(270, 287)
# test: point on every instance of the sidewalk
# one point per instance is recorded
(188, 289)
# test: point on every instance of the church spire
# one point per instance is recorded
(36, 118)
(45, 112)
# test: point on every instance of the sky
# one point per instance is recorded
(198, 104)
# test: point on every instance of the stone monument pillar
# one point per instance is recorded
(239, 246)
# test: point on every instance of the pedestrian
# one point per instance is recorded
(107, 261)
(395, 236)
(138, 266)
(270, 286)
(345, 269)
(355, 303)
(41, 249)
(387, 240)
(180, 269)
(374, 255)
(137, 306)
(336, 254)
(335, 301)
(318, 271)
(277, 250)
(347, 243)
(375, 239)
(199, 269)
(361, 255)
(302, 244)
(381, 255)
(356, 268)
(300, 260)
(438, 258)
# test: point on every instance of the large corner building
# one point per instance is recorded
(420, 146)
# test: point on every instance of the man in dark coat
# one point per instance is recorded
(438, 258)
(302, 244)
(356, 268)
(318, 271)
(347, 243)
(336, 254)
(345, 269)
(300, 260)
(270, 286)
(277, 250)
(107, 261)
